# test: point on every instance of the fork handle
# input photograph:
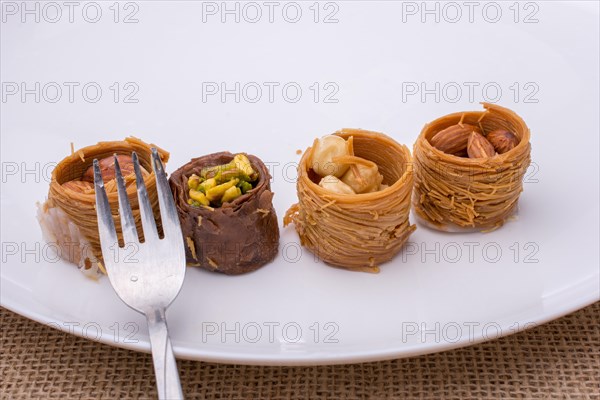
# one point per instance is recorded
(165, 367)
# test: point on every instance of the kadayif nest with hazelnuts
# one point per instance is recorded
(354, 190)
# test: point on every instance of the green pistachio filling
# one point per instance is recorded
(222, 183)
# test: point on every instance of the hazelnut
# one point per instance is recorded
(363, 179)
(333, 184)
(324, 151)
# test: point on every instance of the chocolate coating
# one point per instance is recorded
(238, 237)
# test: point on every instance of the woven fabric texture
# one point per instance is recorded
(558, 360)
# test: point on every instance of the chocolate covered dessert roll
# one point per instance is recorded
(227, 217)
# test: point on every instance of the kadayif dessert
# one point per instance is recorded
(354, 190)
(469, 169)
(224, 202)
(68, 216)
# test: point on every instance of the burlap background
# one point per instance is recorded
(558, 360)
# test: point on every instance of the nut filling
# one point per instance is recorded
(466, 140)
(222, 183)
(340, 170)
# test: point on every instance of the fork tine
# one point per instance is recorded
(127, 221)
(168, 212)
(146, 213)
(106, 225)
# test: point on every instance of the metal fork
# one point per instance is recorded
(150, 280)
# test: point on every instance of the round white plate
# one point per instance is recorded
(171, 78)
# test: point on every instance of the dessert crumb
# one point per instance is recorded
(298, 151)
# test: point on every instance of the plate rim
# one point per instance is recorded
(585, 298)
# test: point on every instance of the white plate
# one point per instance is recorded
(437, 294)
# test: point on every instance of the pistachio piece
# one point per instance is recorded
(239, 167)
(242, 163)
(207, 185)
(214, 194)
(199, 197)
(324, 150)
(244, 186)
(231, 194)
(333, 184)
(215, 171)
(193, 181)
(229, 174)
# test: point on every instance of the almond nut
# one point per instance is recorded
(107, 168)
(453, 140)
(502, 140)
(479, 147)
